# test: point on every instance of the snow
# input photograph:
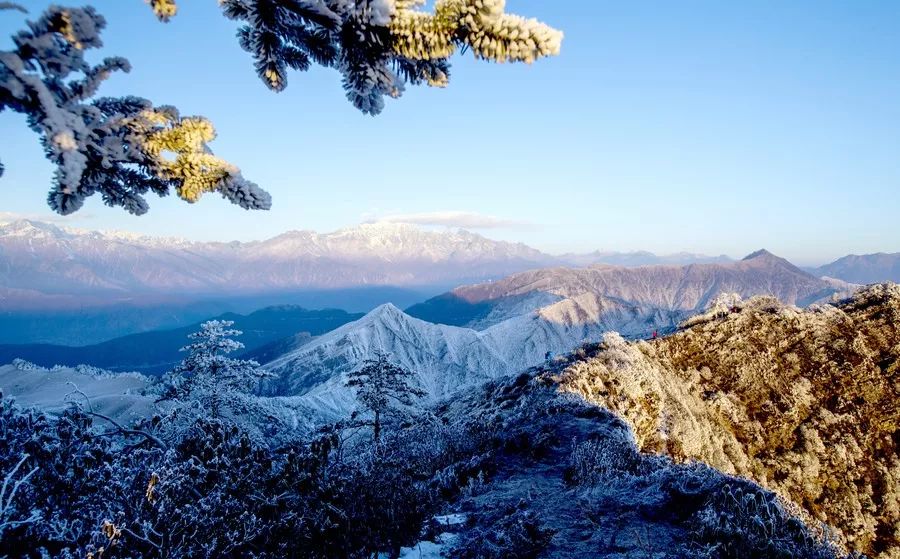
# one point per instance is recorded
(50, 258)
(52, 390)
(451, 519)
(430, 550)
(445, 359)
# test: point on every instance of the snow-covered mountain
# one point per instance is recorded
(40, 260)
(527, 315)
(445, 359)
(46, 266)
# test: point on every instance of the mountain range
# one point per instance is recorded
(664, 294)
(69, 287)
(46, 266)
(500, 328)
(41, 263)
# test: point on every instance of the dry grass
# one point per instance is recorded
(804, 402)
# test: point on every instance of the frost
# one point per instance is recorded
(107, 146)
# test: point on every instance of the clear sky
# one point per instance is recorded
(707, 126)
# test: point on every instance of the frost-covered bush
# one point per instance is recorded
(23, 365)
(595, 460)
(742, 521)
(516, 533)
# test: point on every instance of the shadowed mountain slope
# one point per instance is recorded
(158, 351)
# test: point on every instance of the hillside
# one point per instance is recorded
(802, 401)
(864, 269)
(511, 469)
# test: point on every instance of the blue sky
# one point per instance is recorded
(707, 126)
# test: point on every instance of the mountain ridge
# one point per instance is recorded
(528, 316)
(43, 265)
(662, 288)
(864, 268)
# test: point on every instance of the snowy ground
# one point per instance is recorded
(116, 395)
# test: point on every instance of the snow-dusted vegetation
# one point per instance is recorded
(802, 401)
(511, 456)
(697, 408)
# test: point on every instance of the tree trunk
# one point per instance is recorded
(376, 427)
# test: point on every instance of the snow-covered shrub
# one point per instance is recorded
(597, 459)
(516, 533)
(743, 521)
(23, 365)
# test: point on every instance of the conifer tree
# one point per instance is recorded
(207, 375)
(120, 148)
(381, 385)
(123, 148)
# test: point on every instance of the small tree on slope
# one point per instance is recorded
(379, 386)
(207, 375)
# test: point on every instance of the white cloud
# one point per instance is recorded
(465, 220)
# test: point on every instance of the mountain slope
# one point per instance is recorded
(676, 291)
(517, 321)
(445, 359)
(864, 269)
(550, 476)
(802, 401)
(524, 471)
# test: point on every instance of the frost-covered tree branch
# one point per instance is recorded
(121, 148)
(378, 46)
(12, 6)
(9, 488)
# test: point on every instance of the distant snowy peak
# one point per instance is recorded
(392, 241)
(28, 229)
(46, 258)
(444, 359)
